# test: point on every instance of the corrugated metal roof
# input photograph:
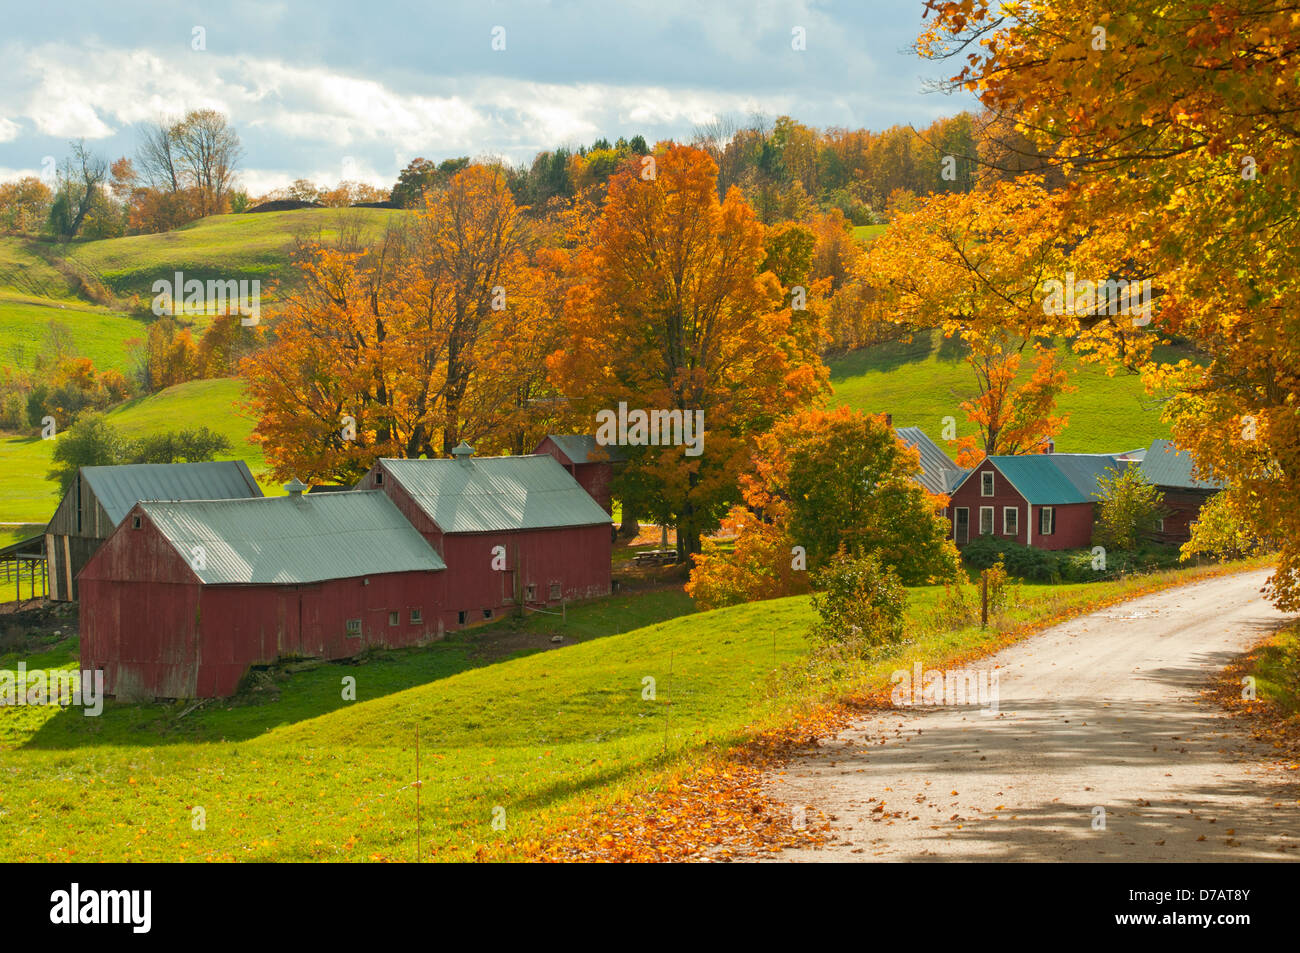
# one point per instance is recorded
(1166, 465)
(288, 540)
(491, 494)
(580, 447)
(120, 488)
(1052, 478)
(937, 469)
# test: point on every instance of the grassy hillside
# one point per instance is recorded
(219, 247)
(923, 381)
(27, 496)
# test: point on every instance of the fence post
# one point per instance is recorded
(984, 599)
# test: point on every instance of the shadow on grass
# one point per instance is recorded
(883, 357)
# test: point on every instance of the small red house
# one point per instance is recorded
(587, 461)
(1045, 500)
(184, 597)
(512, 530)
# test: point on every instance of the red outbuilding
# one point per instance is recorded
(1045, 500)
(587, 461)
(512, 530)
(184, 597)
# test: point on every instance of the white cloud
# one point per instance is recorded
(8, 130)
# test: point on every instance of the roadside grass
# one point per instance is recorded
(538, 742)
(1277, 670)
(220, 247)
(924, 380)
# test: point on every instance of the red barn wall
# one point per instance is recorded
(575, 558)
(1185, 507)
(155, 631)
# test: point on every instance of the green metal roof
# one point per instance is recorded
(583, 448)
(1166, 465)
(1056, 478)
(119, 488)
(288, 540)
(491, 494)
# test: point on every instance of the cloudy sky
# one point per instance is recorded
(327, 89)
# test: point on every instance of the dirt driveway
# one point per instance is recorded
(1102, 713)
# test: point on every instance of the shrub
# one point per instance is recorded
(1023, 562)
(859, 601)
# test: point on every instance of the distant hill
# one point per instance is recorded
(922, 381)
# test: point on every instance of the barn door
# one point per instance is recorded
(311, 640)
(962, 528)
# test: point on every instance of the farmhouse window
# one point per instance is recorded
(986, 483)
(462, 617)
(555, 591)
(487, 613)
(530, 593)
(1010, 521)
(354, 628)
(1046, 521)
(417, 616)
(1160, 525)
(986, 521)
(394, 618)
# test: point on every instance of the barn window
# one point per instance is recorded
(135, 522)
(1046, 521)
(417, 616)
(986, 483)
(530, 593)
(394, 618)
(555, 591)
(462, 617)
(487, 613)
(1010, 521)
(986, 521)
(379, 478)
(1160, 525)
(354, 628)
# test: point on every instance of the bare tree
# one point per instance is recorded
(156, 155)
(83, 176)
(209, 149)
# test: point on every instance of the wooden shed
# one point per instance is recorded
(184, 597)
(512, 530)
(100, 497)
(1173, 471)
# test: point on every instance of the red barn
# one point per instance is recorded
(1173, 472)
(512, 530)
(588, 462)
(184, 597)
(1045, 500)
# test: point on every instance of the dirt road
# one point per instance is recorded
(1101, 713)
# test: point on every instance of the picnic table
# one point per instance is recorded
(655, 557)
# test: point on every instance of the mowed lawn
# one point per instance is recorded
(537, 741)
(922, 381)
(27, 496)
(221, 247)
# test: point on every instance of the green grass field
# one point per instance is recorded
(219, 247)
(537, 741)
(864, 233)
(922, 381)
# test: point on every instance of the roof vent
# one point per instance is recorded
(295, 487)
(462, 451)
